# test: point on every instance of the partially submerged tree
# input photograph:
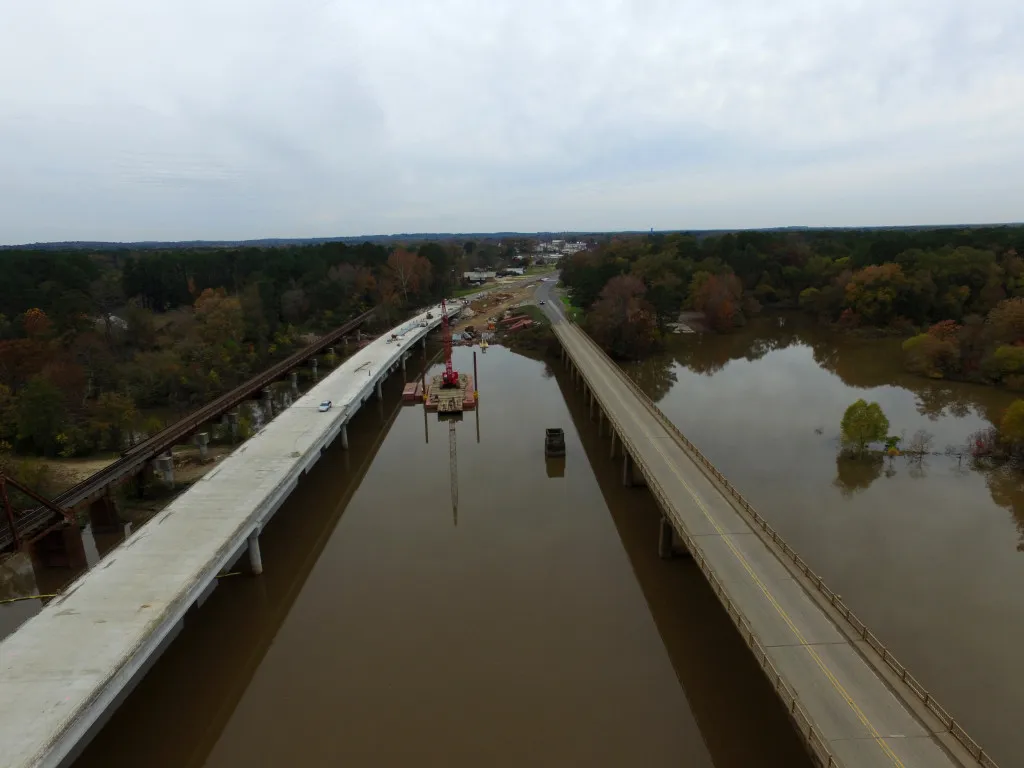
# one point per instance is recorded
(863, 423)
(622, 320)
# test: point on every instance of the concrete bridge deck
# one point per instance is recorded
(851, 709)
(66, 669)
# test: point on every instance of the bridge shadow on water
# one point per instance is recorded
(741, 719)
(178, 711)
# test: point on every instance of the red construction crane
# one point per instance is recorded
(450, 377)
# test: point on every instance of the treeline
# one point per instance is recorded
(94, 345)
(898, 280)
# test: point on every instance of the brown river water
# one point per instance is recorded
(536, 625)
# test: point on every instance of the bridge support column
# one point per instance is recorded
(591, 405)
(165, 466)
(103, 516)
(600, 422)
(627, 469)
(377, 389)
(614, 436)
(313, 363)
(359, 335)
(344, 435)
(233, 425)
(140, 484)
(403, 362)
(293, 379)
(268, 403)
(60, 548)
(255, 558)
(203, 441)
(665, 538)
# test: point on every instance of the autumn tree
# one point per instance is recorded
(622, 320)
(718, 297)
(1011, 426)
(863, 423)
(409, 271)
(1006, 321)
(873, 293)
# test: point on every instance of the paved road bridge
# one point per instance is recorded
(853, 703)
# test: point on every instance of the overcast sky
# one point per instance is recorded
(225, 119)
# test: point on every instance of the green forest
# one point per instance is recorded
(956, 294)
(96, 346)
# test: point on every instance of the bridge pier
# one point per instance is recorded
(203, 441)
(293, 379)
(591, 405)
(403, 362)
(627, 469)
(255, 557)
(268, 403)
(666, 534)
(233, 425)
(165, 466)
(60, 548)
(103, 515)
(614, 436)
(377, 389)
(313, 364)
(600, 423)
(344, 435)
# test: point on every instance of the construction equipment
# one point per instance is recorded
(450, 377)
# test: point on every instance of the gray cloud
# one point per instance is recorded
(181, 119)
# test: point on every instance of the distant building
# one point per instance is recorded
(479, 277)
(515, 271)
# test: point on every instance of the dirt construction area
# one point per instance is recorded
(502, 297)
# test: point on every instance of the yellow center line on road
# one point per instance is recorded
(878, 738)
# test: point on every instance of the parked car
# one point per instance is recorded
(542, 302)
(325, 406)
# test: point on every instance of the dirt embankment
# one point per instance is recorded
(494, 304)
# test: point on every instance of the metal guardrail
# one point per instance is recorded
(858, 626)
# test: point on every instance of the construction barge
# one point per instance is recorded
(449, 392)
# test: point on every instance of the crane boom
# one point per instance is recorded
(450, 377)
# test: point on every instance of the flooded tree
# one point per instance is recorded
(862, 424)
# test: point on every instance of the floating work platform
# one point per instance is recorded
(450, 399)
(413, 392)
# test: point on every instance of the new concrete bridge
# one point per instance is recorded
(851, 701)
(65, 670)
